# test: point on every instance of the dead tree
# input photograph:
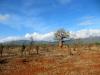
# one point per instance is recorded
(37, 49)
(1, 49)
(22, 50)
(31, 44)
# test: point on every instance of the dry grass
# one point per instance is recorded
(53, 61)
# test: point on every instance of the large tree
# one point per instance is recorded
(61, 35)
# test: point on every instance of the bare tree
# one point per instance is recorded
(1, 49)
(22, 50)
(37, 49)
(31, 39)
(61, 35)
(31, 44)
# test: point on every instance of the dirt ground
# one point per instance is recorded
(85, 63)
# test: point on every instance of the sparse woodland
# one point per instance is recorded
(48, 59)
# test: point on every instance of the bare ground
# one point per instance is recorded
(85, 63)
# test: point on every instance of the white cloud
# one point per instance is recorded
(86, 23)
(85, 33)
(18, 22)
(41, 37)
(10, 38)
(4, 17)
(36, 36)
(89, 17)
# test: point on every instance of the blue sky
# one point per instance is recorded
(19, 17)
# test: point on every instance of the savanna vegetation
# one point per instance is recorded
(50, 59)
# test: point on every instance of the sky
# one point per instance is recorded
(22, 18)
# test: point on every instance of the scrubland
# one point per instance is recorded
(51, 60)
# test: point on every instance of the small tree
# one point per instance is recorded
(22, 50)
(31, 40)
(31, 44)
(37, 49)
(61, 36)
(1, 49)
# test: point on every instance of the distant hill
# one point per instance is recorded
(71, 41)
(27, 42)
(84, 40)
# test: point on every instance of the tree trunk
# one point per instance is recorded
(1, 51)
(61, 43)
(37, 49)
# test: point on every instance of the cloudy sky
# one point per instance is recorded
(22, 18)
